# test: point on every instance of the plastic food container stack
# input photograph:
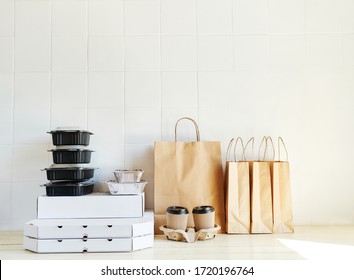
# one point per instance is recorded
(72, 218)
(68, 176)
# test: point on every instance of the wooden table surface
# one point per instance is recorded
(306, 243)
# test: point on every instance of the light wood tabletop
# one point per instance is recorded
(303, 244)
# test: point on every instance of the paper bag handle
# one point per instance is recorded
(271, 141)
(229, 148)
(244, 149)
(195, 124)
(286, 151)
(265, 140)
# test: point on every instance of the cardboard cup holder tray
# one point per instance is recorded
(189, 235)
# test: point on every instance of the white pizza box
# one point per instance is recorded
(90, 228)
(94, 205)
(88, 245)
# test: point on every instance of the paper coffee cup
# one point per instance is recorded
(177, 217)
(204, 217)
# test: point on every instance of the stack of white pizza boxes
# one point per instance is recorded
(75, 222)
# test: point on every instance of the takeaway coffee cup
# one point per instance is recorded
(177, 217)
(204, 217)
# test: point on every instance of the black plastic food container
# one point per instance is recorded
(61, 156)
(67, 188)
(70, 173)
(70, 137)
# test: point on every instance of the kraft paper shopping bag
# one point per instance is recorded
(282, 203)
(261, 193)
(188, 174)
(237, 186)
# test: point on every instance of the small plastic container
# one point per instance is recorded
(70, 173)
(70, 137)
(71, 155)
(116, 188)
(68, 188)
(128, 176)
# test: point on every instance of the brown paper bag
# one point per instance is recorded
(188, 174)
(237, 186)
(282, 204)
(261, 193)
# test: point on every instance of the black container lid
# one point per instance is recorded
(70, 150)
(69, 168)
(68, 184)
(203, 209)
(177, 210)
(69, 131)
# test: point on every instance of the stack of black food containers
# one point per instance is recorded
(69, 221)
(70, 175)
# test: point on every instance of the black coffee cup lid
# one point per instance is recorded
(177, 210)
(203, 209)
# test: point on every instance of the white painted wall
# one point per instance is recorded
(128, 69)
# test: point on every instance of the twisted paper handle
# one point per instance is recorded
(286, 151)
(229, 149)
(195, 124)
